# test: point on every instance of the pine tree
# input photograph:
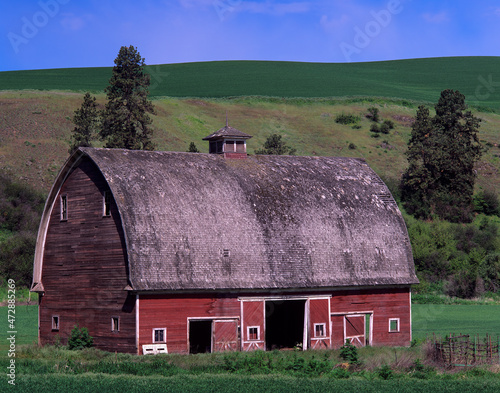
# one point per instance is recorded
(86, 120)
(125, 119)
(441, 155)
(192, 148)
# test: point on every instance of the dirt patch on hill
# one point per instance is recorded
(404, 120)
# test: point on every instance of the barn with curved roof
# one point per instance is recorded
(190, 252)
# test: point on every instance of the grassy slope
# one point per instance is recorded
(35, 128)
(416, 79)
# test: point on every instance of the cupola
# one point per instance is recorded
(228, 141)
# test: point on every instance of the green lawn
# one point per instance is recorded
(26, 326)
(415, 79)
(460, 319)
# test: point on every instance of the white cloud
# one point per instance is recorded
(436, 18)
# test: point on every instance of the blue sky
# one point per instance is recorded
(41, 34)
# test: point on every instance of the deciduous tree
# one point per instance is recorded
(275, 145)
(441, 155)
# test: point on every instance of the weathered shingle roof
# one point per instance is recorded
(198, 221)
(227, 132)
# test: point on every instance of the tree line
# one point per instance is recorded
(124, 122)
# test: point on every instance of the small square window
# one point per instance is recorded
(115, 324)
(64, 207)
(160, 335)
(319, 330)
(106, 204)
(393, 325)
(55, 322)
(253, 333)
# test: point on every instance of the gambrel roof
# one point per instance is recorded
(196, 221)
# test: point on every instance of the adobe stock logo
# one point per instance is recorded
(222, 7)
(363, 37)
(31, 26)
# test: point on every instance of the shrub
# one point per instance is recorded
(349, 353)
(346, 119)
(486, 202)
(352, 146)
(373, 114)
(80, 338)
(385, 372)
(375, 128)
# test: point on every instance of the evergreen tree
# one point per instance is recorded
(86, 120)
(125, 119)
(192, 148)
(441, 155)
(275, 145)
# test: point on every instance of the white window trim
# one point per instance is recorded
(164, 335)
(398, 325)
(324, 330)
(258, 333)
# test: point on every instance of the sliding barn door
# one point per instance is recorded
(320, 336)
(252, 325)
(354, 330)
(225, 335)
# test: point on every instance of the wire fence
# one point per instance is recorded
(464, 350)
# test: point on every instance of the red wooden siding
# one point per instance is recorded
(84, 267)
(384, 304)
(173, 311)
(228, 312)
(319, 313)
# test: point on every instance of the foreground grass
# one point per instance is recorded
(233, 383)
(52, 369)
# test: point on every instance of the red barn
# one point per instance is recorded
(189, 252)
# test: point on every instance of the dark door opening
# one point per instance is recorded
(200, 336)
(284, 324)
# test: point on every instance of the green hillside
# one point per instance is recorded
(35, 129)
(416, 79)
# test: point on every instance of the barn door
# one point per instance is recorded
(252, 325)
(225, 335)
(354, 330)
(320, 336)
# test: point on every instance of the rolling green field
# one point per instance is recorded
(415, 79)
(440, 319)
